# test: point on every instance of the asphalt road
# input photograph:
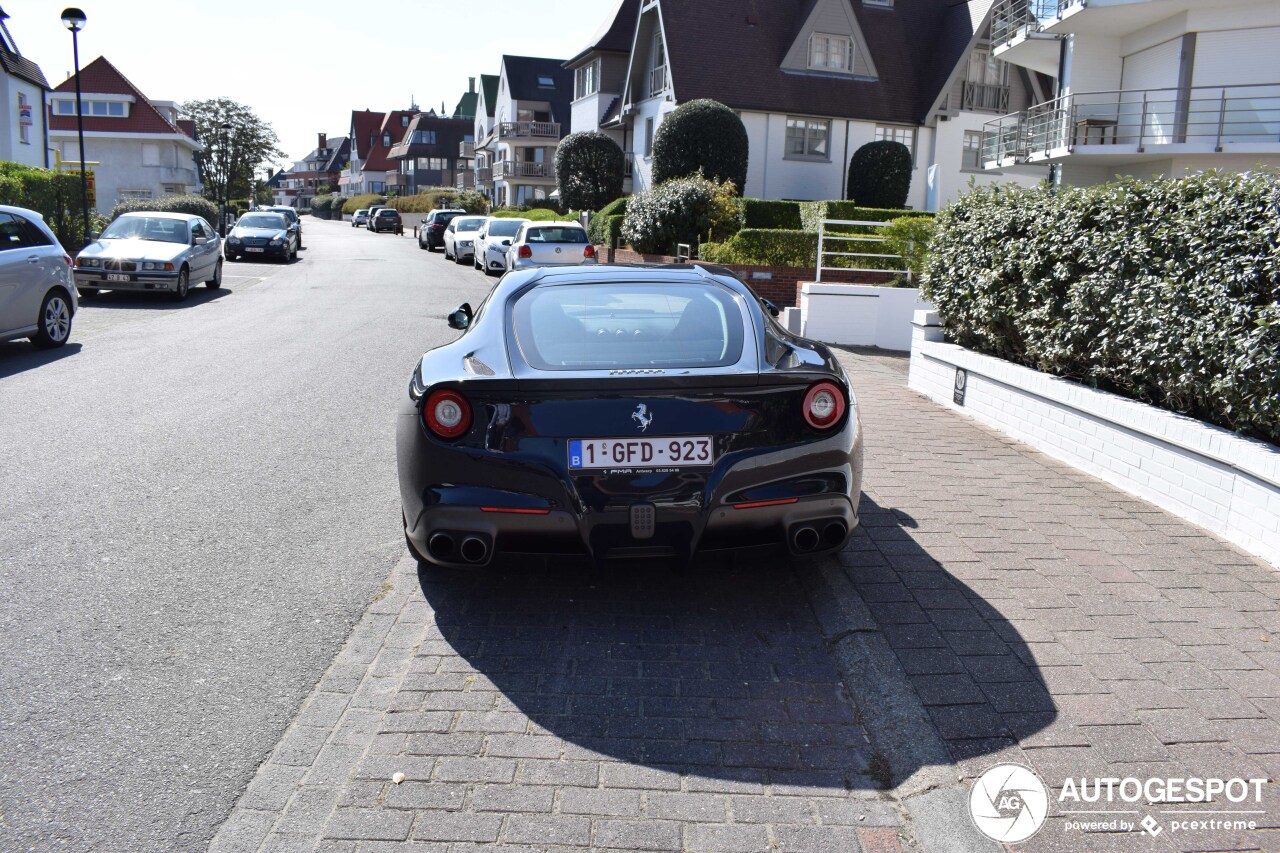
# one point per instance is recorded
(197, 501)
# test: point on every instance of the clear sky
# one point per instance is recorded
(304, 65)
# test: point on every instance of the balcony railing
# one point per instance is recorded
(986, 96)
(395, 179)
(466, 181)
(1011, 18)
(508, 169)
(466, 150)
(484, 174)
(1207, 116)
(529, 130)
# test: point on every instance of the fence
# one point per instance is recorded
(871, 261)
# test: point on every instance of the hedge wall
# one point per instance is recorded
(430, 199)
(192, 204)
(765, 247)
(56, 197)
(362, 202)
(761, 213)
(605, 226)
(540, 214)
(813, 212)
(1166, 291)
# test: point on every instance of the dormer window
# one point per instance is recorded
(404, 121)
(830, 53)
(386, 140)
(109, 109)
(546, 82)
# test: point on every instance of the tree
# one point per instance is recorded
(231, 153)
(589, 170)
(880, 175)
(701, 135)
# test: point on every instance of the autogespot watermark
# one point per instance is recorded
(1010, 803)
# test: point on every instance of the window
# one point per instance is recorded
(986, 69)
(648, 137)
(135, 194)
(24, 119)
(64, 108)
(150, 154)
(808, 137)
(657, 66)
(386, 140)
(586, 80)
(905, 135)
(404, 121)
(112, 109)
(424, 137)
(12, 233)
(570, 327)
(972, 150)
(830, 53)
(546, 82)
(436, 163)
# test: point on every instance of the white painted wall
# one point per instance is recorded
(954, 178)
(121, 164)
(12, 148)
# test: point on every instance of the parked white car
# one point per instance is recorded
(550, 244)
(37, 300)
(151, 250)
(493, 241)
(460, 238)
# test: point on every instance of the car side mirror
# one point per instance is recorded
(770, 307)
(506, 242)
(92, 235)
(200, 241)
(460, 318)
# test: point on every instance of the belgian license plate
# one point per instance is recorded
(686, 451)
(251, 249)
(117, 276)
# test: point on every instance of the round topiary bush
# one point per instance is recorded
(880, 174)
(684, 210)
(702, 135)
(589, 167)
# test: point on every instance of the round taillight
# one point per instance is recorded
(824, 405)
(447, 413)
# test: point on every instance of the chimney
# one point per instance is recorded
(471, 85)
(321, 139)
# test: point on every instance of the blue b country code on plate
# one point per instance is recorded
(683, 450)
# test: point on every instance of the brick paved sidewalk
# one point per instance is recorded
(1027, 612)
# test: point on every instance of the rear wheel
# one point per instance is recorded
(54, 327)
(215, 282)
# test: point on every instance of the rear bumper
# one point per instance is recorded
(529, 264)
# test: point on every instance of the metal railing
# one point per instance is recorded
(484, 174)
(986, 96)
(1012, 18)
(466, 181)
(1201, 115)
(517, 169)
(529, 130)
(466, 150)
(858, 261)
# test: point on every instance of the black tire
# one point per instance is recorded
(184, 286)
(446, 254)
(293, 256)
(457, 259)
(54, 322)
(475, 261)
(215, 282)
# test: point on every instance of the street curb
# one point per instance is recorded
(899, 727)
(301, 782)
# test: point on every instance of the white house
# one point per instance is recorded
(483, 151)
(1146, 88)
(141, 148)
(812, 80)
(23, 90)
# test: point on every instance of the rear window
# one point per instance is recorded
(628, 326)
(555, 235)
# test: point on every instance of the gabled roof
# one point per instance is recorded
(962, 25)
(379, 159)
(524, 74)
(615, 34)
(466, 107)
(339, 148)
(449, 131)
(902, 39)
(364, 131)
(489, 86)
(19, 66)
(100, 77)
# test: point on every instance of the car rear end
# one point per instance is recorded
(639, 424)
(435, 225)
(552, 244)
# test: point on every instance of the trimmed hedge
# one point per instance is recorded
(765, 247)
(1166, 291)
(617, 207)
(605, 230)
(763, 213)
(541, 214)
(813, 212)
(362, 202)
(193, 204)
(880, 174)
(684, 210)
(910, 237)
(589, 170)
(701, 136)
(56, 197)
(436, 197)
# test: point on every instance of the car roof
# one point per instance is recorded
(159, 214)
(559, 223)
(22, 211)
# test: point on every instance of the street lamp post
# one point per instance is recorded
(226, 179)
(74, 20)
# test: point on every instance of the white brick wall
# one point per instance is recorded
(1207, 475)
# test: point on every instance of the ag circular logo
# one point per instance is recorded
(1009, 803)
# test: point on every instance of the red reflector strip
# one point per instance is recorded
(753, 504)
(514, 510)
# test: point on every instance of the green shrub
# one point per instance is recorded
(684, 210)
(701, 136)
(770, 247)
(438, 197)
(813, 212)
(321, 202)
(617, 207)
(362, 202)
(56, 197)
(909, 237)
(605, 230)
(762, 213)
(589, 170)
(537, 215)
(1167, 291)
(193, 204)
(880, 174)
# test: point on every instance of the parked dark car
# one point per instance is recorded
(291, 216)
(616, 411)
(431, 232)
(387, 219)
(261, 234)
